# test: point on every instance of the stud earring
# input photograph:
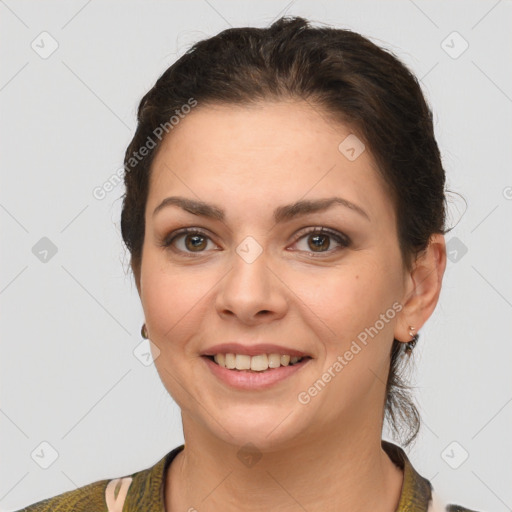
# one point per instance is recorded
(411, 344)
(144, 332)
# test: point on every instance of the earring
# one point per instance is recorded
(144, 332)
(411, 344)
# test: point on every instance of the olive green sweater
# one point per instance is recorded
(143, 491)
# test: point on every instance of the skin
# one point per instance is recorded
(248, 160)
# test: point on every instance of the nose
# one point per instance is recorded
(251, 292)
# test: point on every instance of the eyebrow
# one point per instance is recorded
(281, 213)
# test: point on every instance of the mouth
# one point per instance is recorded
(254, 373)
(255, 364)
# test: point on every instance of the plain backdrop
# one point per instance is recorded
(75, 385)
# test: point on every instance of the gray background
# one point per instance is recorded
(71, 322)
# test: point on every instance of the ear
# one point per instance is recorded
(422, 288)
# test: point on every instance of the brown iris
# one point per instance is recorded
(325, 245)
(197, 242)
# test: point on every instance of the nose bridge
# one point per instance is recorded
(250, 286)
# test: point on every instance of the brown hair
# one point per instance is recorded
(353, 81)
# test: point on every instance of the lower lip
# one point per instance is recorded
(243, 379)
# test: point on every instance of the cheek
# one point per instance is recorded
(347, 302)
(171, 299)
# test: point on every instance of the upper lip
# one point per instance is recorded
(252, 350)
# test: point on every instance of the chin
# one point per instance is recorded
(269, 428)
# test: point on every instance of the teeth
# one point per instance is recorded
(258, 363)
(230, 361)
(242, 362)
(220, 359)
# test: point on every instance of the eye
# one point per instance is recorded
(188, 241)
(192, 240)
(318, 240)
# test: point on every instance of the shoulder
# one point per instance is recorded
(100, 496)
(89, 498)
(141, 490)
(417, 492)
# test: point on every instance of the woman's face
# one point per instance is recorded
(251, 278)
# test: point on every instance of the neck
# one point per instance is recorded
(327, 472)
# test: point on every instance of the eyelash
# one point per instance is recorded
(340, 238)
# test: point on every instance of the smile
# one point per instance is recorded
(248, 379)
(258, 363)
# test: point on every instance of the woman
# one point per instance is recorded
(285, 215)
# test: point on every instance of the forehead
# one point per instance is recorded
(268, 152)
